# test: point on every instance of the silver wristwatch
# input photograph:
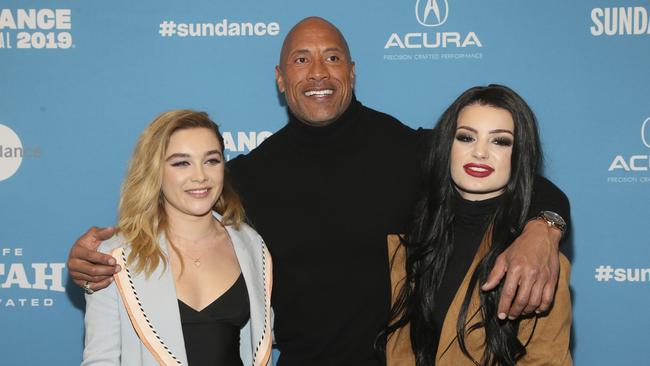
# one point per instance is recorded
(553, 220)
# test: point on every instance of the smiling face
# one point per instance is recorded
(481, 152)
(315, 72)
(193, 173)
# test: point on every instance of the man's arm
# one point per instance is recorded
(86, 264)
(531, 263)
(548, 197)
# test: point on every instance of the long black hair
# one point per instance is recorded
(430, 240)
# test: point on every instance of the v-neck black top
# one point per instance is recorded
(212, 334)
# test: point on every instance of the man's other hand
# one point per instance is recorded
(86, 264)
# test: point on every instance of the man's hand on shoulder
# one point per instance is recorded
(531, 267)
(89, 267)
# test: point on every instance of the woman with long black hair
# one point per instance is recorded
(482, 163)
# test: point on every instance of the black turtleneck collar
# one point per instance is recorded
(326, 134)
(474, 212)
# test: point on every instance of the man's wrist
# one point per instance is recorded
(553, 220)
(540, 225)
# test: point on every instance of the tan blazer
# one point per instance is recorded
(548, 344)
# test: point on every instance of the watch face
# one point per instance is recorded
(553, 217)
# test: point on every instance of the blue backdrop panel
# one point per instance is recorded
(80, 80)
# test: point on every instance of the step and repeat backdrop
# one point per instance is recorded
(80, 80)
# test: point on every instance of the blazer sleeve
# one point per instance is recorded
(102, 340)
(398, 345)
(102, 343)
(549, 342)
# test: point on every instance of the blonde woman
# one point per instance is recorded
(196, 284)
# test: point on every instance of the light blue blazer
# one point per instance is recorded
(110, 338)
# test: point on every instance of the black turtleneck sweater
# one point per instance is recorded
(324, 199)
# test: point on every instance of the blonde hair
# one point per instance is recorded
(142, 217)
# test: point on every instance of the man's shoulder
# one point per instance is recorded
(378, 124)
(380, 119)
(272, 144)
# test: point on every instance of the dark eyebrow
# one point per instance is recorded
(182, 155)
(500, 130)
(466, 128)
(329, 49)
(302, 50)
(212, 152)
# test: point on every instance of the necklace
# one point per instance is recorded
(185, 253)
(195, 260)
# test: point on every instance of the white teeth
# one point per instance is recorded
(319, 93)
(197, 191)
(478, 169)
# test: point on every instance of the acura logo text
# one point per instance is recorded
(637, 163)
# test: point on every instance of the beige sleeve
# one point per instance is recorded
(549, 344)
(398, 346)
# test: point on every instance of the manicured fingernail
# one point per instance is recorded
(111, 261)
(502, 316)
(537, 312)
(511, 317)
(118, 268)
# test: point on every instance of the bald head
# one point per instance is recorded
(312, 24)
(315, 72)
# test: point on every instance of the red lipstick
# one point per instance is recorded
(478, 170)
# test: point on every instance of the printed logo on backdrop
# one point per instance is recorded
(634, 168)
(217, 28)
(28, 284)
(432, 42)
(12, 152)
(621, 21)
(429, 13)
(242, 142)
(607, 273)
(36, 29)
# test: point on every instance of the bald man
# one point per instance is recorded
(324, 191)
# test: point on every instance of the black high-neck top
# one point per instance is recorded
(341, 133)
(470, 223)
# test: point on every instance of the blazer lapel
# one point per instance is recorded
(159, 302)
(448, 333)
(256, 267)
